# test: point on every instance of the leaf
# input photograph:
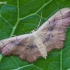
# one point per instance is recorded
(22, 16)
(0, 57)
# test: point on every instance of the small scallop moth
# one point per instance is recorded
(50, 35)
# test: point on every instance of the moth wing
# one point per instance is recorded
(52, 32)
(25, 48)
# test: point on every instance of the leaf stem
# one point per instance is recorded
(14, 28)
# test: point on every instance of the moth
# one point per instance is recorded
(50, 35)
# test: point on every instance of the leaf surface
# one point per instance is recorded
(22, 16)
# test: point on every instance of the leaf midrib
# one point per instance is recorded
(14, 28)
(18, 19)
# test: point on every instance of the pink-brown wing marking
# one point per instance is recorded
(25, 48)
(53, 34)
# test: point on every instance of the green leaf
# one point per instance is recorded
(22, 16)
(0, 57)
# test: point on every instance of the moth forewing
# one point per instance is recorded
(50, 35)
(18, 39)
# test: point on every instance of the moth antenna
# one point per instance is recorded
(39, 21)
(38, 25)
(13, 35)
(51, 35)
